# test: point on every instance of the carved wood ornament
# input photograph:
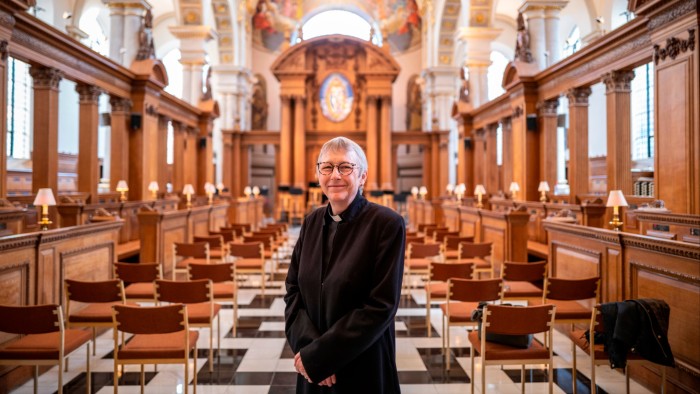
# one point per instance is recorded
(674, 47)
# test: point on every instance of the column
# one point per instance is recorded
(4, 33)
(299, 161)
(619, 118)
(468, 166)
(161, 171)
(191, 156)
(372, 144)
(491, 163)
(179, 157)
(286, 141)
(385, 144)
(119, 140)
(507, 153)
(88, 164)
(534, 13)
(125, 20)
(205, 152)
(548, 141)
(551, 27)
(578, 141)
(478, 59)
(479, 159)
(45, 143)
(193, 40)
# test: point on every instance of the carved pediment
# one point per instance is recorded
(515, 71)
(153, 68)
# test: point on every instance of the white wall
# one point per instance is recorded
(410, 63)
(597, 126)
(68, 117)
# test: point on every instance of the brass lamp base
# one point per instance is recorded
(615, 223)
(45, 223)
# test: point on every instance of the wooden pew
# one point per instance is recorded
(672, 226)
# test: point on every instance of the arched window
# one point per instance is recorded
(172, 64)
(573, 42)
(642, 97)
(337, 22)
(495, 74)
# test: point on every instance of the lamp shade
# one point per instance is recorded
(153, 186)
(44, 197)
(256, 190)
(616, 199)
(423, 191)
(414, 191)
(209, 188)
(122, 186)
(220, 186)
(450, 188)
(543, 187)
(247, 191)
(479, 190)
(514, 187)
(461, 188)
(188, 189)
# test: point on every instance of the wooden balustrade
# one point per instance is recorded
(638, 266)
(12, 220)
(667, 225)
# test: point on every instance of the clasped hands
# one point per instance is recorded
(299, 366)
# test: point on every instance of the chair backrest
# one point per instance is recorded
(217, 273)
(264, 238)
(198, 250)
(526, 272)
(439, 235)
(214, 241)
(517, 320)
(452, 242)
(444, 271)
(94, 292)
(415, 239)
(246, 250)
(474, 290)
(423, 226)
(30, 319)
(227, 235)
(190, 292)
(430, 231)
(422, 251)
(469, 250)
(137, 273)
(571, 289)
(150, 320)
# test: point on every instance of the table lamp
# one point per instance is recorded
(414, 192)
(459, 191)
(514, 189)
(210, 189)
(616, 199)
(44, 197)
(188, 191)
(479, 191)
(423, 191)
(256, 191)
(247, 191)
(450, 188)
(122, 188)
(220, 187)
(543, 188)
(153, 188)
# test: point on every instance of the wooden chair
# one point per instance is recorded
(436, 287)
(44, 339)
(451, 250)
(463, 296)
(223, 278)
(141, 280)
(479, 254)
(217, 246)
(198, 295)
(161, 335)
(440, 234)
(185, 253)
(249, 258)
(418, 259)
(598, 355)
(97, 299)
(513, 320)
(430, 233)
(518, 279)
(227, 235)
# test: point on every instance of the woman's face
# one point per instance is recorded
(340, 189)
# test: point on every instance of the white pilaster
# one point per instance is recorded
(193, 52)
(478, 58)
(543, 26)
(125, 19)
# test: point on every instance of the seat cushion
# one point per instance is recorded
(417, 264)
(140, 291)
(570, 310)
(249, 263)
(44, 346)
(182, 264)
(459, 311)
(224, 290)
(437, 290)
(151, 346)
(497, 351)
(520, 289)
(200, 313)
(94, 313)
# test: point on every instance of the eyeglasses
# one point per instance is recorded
(326, 168)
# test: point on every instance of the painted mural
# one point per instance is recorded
(402, 22)
(272, 18)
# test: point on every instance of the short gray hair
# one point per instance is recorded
(344, 144)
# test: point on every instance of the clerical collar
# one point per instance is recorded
(336, 218)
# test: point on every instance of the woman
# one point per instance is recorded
(344, 283)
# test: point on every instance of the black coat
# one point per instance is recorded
(343, 324)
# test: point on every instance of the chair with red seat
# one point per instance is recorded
(436, 287)
(217, 246)
(418, 259)
(249, 257)
(522, 280)
(223, 278)
(513, 320)
(161, 335)
(198, 295)
(44, 339)
(478, 253)
(139, 280)
(95, 301)
(451, 250)
(185, 253)
(463, 296)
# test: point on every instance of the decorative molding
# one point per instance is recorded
(548, 107)
(674, 47)
(579, 249)
(76, 232)
(578, 96)
(120, 104)
(691, 220)
(16, 264)
(585, 232)
(4, 52)
(45, 77)
(73, 252)
(89, 94)
(673, 248)
(23, 242)
(692, 279)
(7, 20)
(672, 14)
(151, 110)
(618, 81)
(517, 111)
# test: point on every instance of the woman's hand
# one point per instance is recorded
(329, 381)
(299, 366)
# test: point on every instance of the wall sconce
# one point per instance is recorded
(616, 199)
(210, 190)
(450, 188)
(514, 189)
(122, 188)
(479, 191)
(153, 188)
(543, 188)
(188, 191)
(459, 191)
(44, 198)
(256, 191)
(247, 191)
(414, 192)
(423, 191)
(220, 187)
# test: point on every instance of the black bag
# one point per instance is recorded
(519, 341)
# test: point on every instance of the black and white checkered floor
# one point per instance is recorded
(258, 359)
